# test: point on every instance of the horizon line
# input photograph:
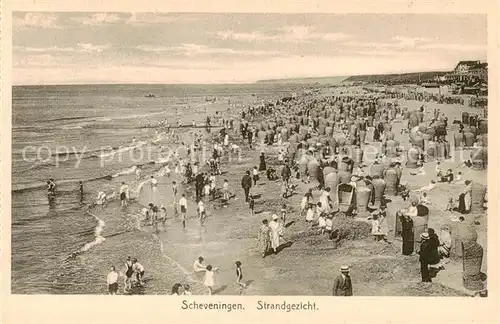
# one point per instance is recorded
(230, 83)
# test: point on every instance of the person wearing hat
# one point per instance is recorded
(342, 285)
(246, 184)
(425, 256)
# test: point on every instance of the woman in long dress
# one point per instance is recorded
(264, 238)
(276, 231)
(407, 234)
(467, 195)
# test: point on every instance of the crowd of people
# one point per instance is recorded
(316, 143)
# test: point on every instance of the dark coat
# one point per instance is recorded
(286, 172)
(425, 252)
(246, 181)
(342, 287)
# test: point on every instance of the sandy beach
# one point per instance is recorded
(309, 261)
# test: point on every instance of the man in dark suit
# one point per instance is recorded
(342, 286)
(246, 184)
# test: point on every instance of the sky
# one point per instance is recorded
(93, 48)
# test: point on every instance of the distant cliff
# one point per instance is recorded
(319, 80)
(411, 78)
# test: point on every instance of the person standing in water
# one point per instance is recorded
(209, 281)
(139, 271)
(51, 187)
(239, 276)
(124, 194)
(129, 271)
(154, 188)
(112, 281)
(138, 173)
(183, 206)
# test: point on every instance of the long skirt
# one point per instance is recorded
(264, 244)
(408, 242)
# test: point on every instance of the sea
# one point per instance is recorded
(65, 244)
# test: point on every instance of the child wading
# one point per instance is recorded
(209, 281)
(239, 276)
(183, 205)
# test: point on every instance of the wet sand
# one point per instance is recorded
(309, 262)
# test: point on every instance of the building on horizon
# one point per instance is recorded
(469, 72)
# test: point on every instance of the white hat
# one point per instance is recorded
(424, 236)
(344, 269)
(275, 217)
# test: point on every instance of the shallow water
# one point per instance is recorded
(61, 246)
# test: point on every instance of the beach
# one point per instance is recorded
(46, 235)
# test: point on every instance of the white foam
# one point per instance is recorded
(97, 233)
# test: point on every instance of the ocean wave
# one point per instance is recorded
(98, 238)
(72, 127)
(125, 171)
(43, 184)
(67, 118)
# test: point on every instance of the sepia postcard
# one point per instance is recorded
(182, 162)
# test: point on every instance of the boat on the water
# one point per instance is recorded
(150, 96)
